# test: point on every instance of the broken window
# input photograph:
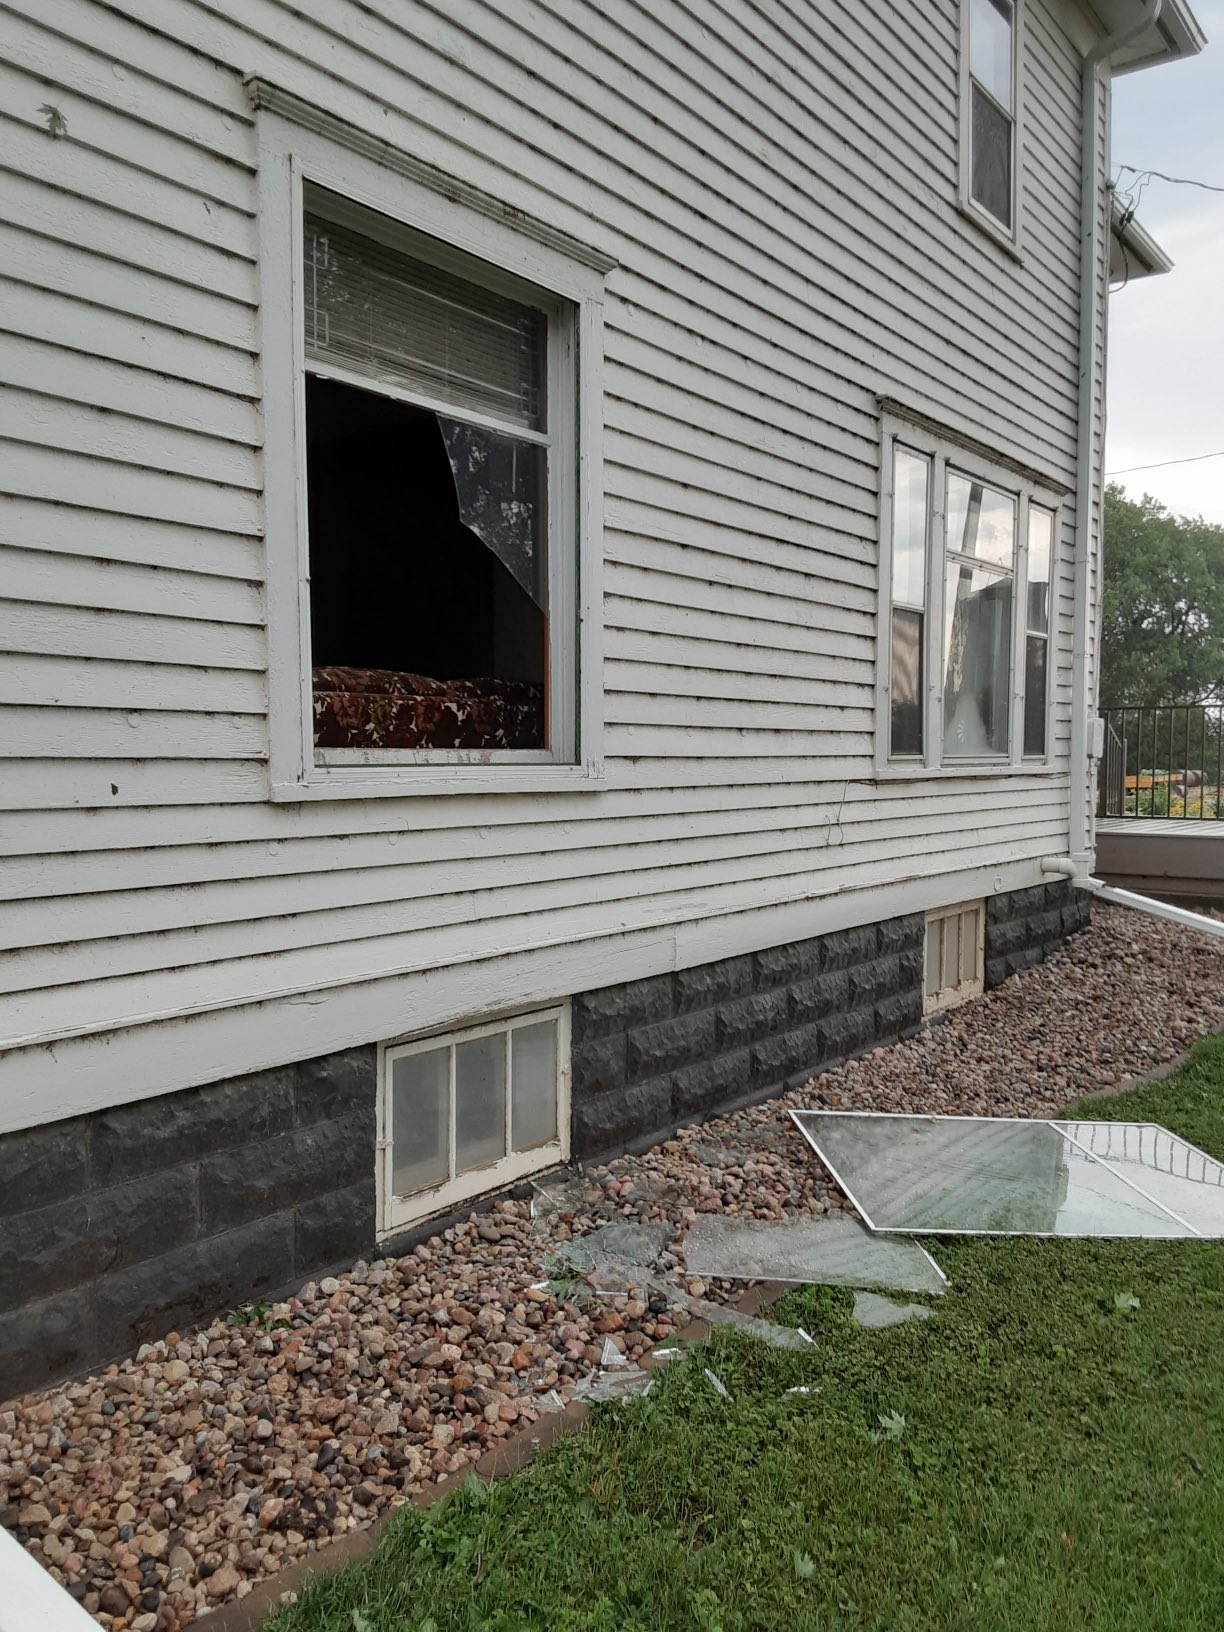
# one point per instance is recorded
(432, 473)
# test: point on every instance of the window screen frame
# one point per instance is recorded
(1007, 237)
(946, 453)
(396, 1213)
(518, 256)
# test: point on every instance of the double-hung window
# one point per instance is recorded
(432, 412)
(990, 112)
(968, 561)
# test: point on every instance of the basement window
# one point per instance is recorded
(469, 1112)
(955, 952)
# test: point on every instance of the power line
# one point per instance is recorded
(1193, 459)
(1177, 181)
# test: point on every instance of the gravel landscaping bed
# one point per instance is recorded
(174, 1480)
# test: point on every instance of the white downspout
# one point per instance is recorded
(1077, 866)
(1092, 291)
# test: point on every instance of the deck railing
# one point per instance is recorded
(1163, 760)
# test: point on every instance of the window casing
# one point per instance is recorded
(432, 371)
(955, 956)
(968, 558)
(469, 1111)
(991, 115)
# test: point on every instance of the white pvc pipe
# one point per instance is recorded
(1092, 291)
(1158, 909)
(30, 1601)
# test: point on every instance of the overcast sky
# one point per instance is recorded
(1166, 335)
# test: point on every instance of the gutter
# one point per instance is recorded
(1092, 291)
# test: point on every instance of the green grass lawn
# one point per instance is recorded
(1060, 1464)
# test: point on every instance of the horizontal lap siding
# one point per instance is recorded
(777, 184)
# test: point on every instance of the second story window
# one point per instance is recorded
(989, 115)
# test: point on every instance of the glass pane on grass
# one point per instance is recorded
(480, 1102)
(1188, 1182)
(906, 683)
(533, 1085)
(990, 182)
(977, 661)
(420, 1121)
(979, 1176)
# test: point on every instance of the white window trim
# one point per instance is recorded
(969, 208)
(299, 144)
(950, 997)
(944, 448)
(397, 1213)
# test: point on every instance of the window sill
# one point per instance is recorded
(402, 1212)
(987, 225)
(409, 781)
(959, 773)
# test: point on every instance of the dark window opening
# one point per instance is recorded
(428, 583)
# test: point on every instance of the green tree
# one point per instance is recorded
(1163, 611)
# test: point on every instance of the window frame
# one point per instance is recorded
(457, 226)
(398, 1213)
(946, 452)
(1008, 238)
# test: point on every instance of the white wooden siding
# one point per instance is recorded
(778, 186)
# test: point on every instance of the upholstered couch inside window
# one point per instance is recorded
(383, 708)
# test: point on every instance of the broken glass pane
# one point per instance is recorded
(980, 1176)
(831, 1251)
(501, 483)
(875, 1312)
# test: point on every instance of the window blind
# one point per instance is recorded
(378, 312)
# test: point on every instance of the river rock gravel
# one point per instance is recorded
(175, 1479)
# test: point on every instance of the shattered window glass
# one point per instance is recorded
(501, 484)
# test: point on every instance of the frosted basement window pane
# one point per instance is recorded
(969, 939)
(533, 1078)
(950, 972)
(480, 1102)
(933, 944)
(420, 1121)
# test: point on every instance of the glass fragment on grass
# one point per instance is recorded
(827, 1251)
(875, 1312)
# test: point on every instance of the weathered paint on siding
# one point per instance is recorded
(778, 185)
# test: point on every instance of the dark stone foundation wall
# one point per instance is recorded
(1024, 927)
(655, 1053)
(120, 1226)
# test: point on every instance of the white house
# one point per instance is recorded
(549, 570)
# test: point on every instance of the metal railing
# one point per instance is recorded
(1163, 760)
